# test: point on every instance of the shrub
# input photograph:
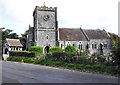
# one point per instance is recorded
(55, 49)
(37, 49)
(70, 49)
(59, 56)
(83, 60)
(37, 61)
(19, 59)
(70, 65)
(96, 67)
(63, 56)
(9, 58)
(70, 58)
(100, 59)
(28, 60)
(58, 64)
(21, 54)
(13, 59)
(80, 66)
(87, 67)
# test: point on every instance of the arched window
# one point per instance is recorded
(68, 44)
(94, 45)
(87, 46)
(105, 45)
(47, 37)
(80, 46)
(74, 45)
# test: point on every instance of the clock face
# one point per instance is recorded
(46, 17)
(46, 20)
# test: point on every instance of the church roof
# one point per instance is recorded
(14, 42)
(71, 34)
(96, 34)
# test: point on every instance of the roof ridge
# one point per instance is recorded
(91, 29)
(11, 39)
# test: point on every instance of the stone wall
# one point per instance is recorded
(106, 50)
(46, 38)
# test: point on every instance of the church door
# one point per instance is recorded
(46, 50)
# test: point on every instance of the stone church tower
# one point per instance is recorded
(45, 27)
(45, 30)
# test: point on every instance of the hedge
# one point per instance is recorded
(37, 49)
(55, 49)
(101, 68)
(21, 54)
(70, 49)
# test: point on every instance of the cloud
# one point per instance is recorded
(17, 14)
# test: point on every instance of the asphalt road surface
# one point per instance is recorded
(15, 72)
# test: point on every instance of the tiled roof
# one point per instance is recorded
(14, 42)
(71, 34)
(96, 34)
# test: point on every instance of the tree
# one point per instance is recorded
(116, 53)
(23, 39)
(115, 38)
(115, 48)
(7, 33)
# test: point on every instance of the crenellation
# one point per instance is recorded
(46, 8)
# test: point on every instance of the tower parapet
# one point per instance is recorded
(44, 8)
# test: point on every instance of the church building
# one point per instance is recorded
(45, 33)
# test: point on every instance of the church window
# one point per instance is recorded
(74, 45)
(68, 44)
(105, 45)
(87, 46)
(94, 46)
(47, 37)
(80, 45)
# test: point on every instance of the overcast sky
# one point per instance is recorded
(91, 14)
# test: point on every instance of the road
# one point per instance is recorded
(15, 72)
